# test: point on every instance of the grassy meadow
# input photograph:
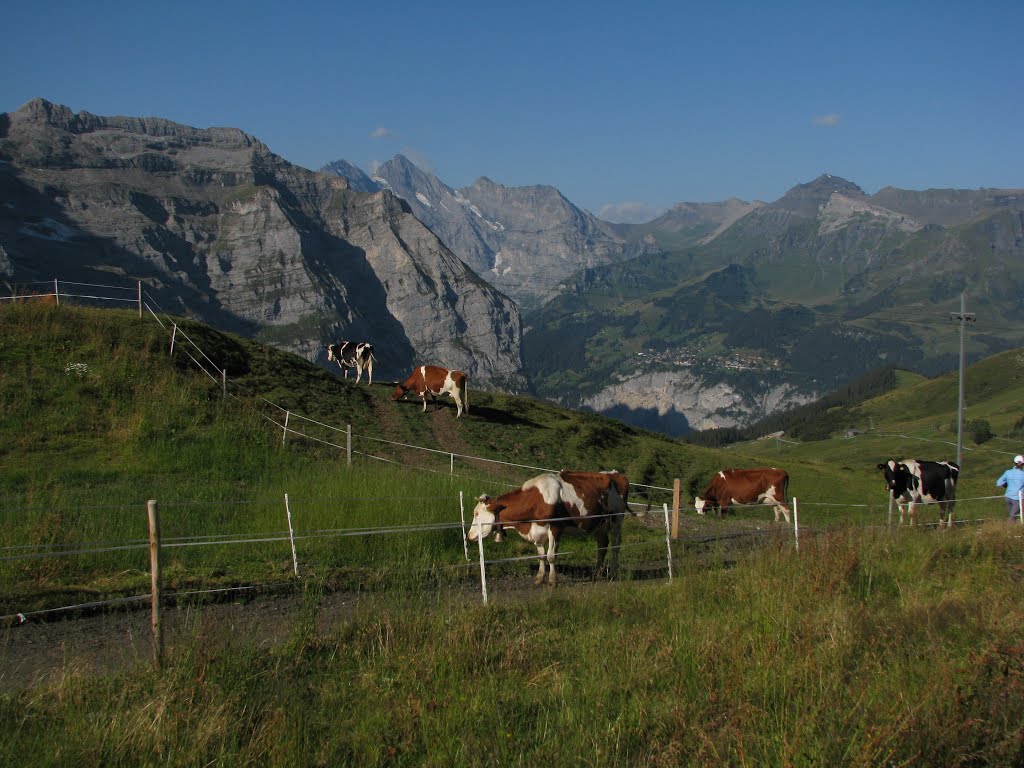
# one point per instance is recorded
(866, 646)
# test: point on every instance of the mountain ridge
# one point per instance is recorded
(524, 240)
(767, 302)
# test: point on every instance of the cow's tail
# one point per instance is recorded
(784, 490)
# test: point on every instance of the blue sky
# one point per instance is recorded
(621, 106)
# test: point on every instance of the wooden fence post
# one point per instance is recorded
(224, 383)
(676, 487)
(56, 292)
(284, 434)
(140, 299)
(348, 445)
(174, 334)
(156, 583)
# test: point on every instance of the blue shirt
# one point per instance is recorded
(1013, 479)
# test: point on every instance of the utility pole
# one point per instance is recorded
(963, 318)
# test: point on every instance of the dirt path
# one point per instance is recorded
(42, 652)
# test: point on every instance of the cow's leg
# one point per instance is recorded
(780, 511)
(458, 402)
(539, 578)
(947, 508)
(552, 551)
(601, 534)
(912, 512)
(369, 372)
(615, 537)
(359, 371)
(424, 397)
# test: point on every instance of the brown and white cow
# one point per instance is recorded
(351, 354)
(430, 380)
(763, 485)
(546, 505)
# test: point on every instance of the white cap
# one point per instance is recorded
(1018, 459)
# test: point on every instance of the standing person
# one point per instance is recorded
(1013, 481)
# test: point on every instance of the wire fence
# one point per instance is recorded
(661, 558)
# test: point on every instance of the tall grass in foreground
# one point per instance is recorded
(865, 649)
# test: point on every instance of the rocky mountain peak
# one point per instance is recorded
(41, 114)
(356, 178)
(807, 199)
(523, 240)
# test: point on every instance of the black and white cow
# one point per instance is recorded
(917, 481)
(351, 354)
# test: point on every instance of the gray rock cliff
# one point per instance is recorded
(222, 229)
(659, 400)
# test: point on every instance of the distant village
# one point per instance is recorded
(686, 357)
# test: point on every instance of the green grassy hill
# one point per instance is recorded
(97, 417)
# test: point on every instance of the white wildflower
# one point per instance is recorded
(77, 369)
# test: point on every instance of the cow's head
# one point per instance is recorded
(699, 504)
(330, 352)
(398, 393)
(485, 515)
(897, 476)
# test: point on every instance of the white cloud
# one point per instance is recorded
(629, 212)
(830, 120)
(381, 133)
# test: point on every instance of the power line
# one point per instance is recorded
(963, 318)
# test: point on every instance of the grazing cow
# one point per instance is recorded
(764, 485)
(915, 481)
(351, 354)
(546, 505)
(432, 380)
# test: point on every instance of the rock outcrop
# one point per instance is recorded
(679, 401)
